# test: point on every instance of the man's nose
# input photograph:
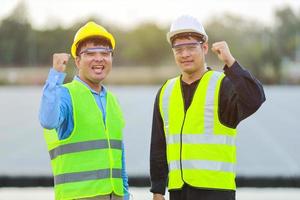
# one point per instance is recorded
(98, 57)
(185, 52)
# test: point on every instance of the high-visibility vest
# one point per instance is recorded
(89, 162)
(201, 151)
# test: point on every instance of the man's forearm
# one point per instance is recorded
(49, 113)
(124, 174)
(158, 158)
(249, 90)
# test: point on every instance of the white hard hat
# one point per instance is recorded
(186, 24)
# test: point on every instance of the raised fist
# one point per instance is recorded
(60, 61)
(223, 52)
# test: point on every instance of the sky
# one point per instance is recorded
(128, 13)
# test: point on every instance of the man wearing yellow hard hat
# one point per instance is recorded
(83, 122)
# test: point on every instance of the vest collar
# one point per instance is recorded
(102, 93)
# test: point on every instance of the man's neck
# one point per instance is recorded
(94, 86)
(190, 78)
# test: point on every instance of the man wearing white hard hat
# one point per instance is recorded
(193, 150)
(83, 122)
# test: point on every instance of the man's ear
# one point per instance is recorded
(77, 61)
(205, 48)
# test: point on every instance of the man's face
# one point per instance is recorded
(94, 66)
(189, 54)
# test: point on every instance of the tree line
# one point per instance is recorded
(261, 48)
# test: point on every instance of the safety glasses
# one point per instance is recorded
(191, 46)
(93, 51)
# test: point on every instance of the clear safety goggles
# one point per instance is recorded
(190, 46)
(93, 51)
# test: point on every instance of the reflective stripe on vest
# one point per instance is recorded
(200, 139)
(202, 165)
(193, 162)
(209, 104)
(165, 103)
(84, 146)
(84, 176)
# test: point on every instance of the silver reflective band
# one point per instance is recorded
(202, 165)
(210, 103)
(84, 146)
(89, 175)
(201, 139)
(166, 101)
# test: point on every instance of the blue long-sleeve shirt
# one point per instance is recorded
(56, 111)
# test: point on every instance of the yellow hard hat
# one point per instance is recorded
(91, 29)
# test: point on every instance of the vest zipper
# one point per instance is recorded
(180, 156)
(109, 147)
(110, 159)
(180, 159)
(185, 111)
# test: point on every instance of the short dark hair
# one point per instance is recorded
(196, 36)
(95, 40)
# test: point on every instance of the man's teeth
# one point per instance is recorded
(98, 69)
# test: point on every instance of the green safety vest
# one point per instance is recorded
(201, 151)
(89, 162)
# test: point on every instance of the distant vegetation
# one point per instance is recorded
(262, 49)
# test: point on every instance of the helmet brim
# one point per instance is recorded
(170, 35)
